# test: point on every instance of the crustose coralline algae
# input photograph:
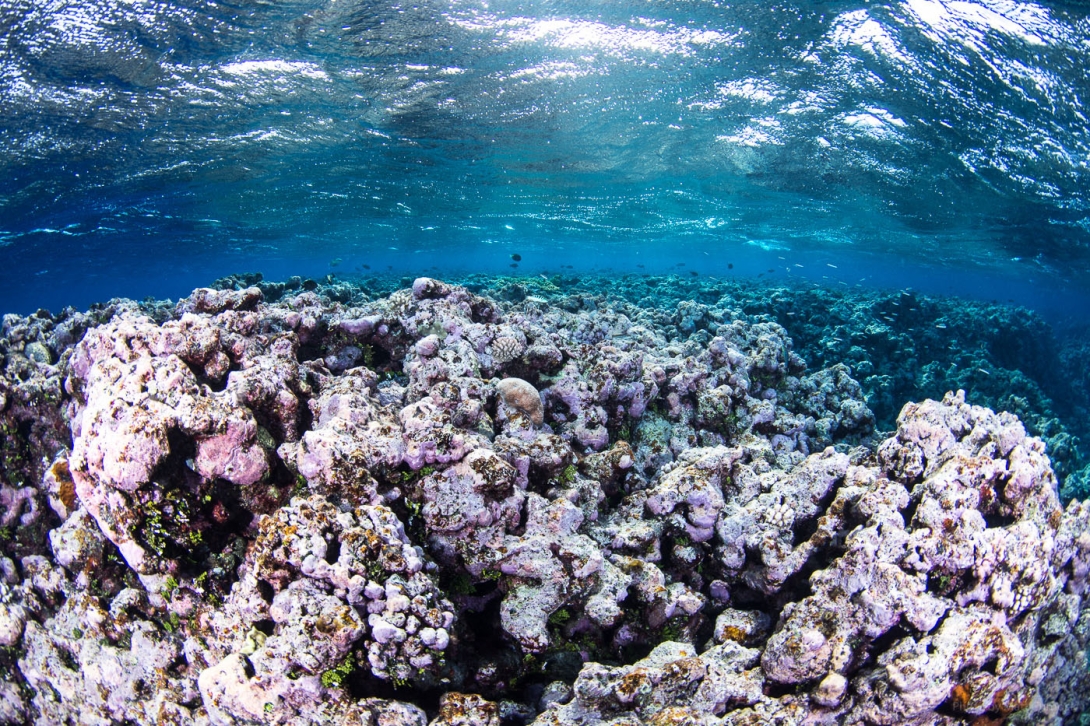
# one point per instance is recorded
(437, 505)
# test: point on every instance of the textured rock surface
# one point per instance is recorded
(261, 505)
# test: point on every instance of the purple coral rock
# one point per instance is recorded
(233, 455)
(301, 528)
(426, 287)
(359, 326)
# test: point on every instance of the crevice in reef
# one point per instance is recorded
(884, 642)
(995, 520)
(382, 361)
(314, 348)
(909, 512)
(361, 684)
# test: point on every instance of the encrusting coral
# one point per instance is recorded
(274, 508)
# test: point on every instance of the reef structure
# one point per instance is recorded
(439, 507)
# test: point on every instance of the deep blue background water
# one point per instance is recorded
(149, 147)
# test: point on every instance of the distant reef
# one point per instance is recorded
(551, 500)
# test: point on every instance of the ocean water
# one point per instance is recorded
(148, 147)
(861, 148)
(902, 187)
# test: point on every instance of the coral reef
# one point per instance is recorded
(318, 503)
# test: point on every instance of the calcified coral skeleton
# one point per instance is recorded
(296, 510)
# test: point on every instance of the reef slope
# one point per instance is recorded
(266, 505)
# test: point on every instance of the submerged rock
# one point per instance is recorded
(268, 506)
(522, 397)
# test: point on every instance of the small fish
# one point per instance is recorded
(984, 371)
(940, 326)
(730, 265)
(830, 264)
(516, 257)
(514, 264)
(367, 267)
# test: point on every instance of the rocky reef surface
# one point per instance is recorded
(900, 345)
(318, 503)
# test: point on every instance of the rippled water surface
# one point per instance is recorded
(147, 147)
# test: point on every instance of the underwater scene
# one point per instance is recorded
(485, 363)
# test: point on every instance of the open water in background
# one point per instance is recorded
(149, 147)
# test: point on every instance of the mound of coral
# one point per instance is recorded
(900, 345)
(436, 507)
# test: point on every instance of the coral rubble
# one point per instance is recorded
(295, 503)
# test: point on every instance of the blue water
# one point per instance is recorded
(149, 147)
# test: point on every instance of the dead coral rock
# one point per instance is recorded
(691, 467)
(430, 436)
(548, 565)
(426, 287)
(123, 434)
(78, 543)
(954, 666)
(207, 300)
(762, 512)
(12, 706)
(17, 604)
(469, 507)
(748, 627)
(460, 709)
(323, 588)
(129, 669)
(698, 487)
(363, 557)
(609, 467)
(140, 400)
(673, 682)
(544, 456)
(958, 578)
(353, 435)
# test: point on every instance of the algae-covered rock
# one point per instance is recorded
(307, 504)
